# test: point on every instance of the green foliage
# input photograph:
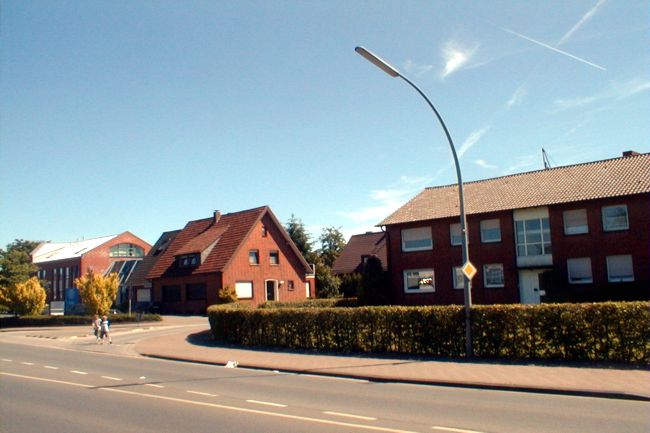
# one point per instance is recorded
(327, 284)
(312, 303)
(16, 263)
(374, 283)
(98, 292)
(616, 332)
(351, 285)
(298, 233)
(24, 298)
(7, 322)
(227, 295)
(332, 243)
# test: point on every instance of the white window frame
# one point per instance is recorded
(417, 234)
(611, 266)
(420, 289)
(545, 237)
(614, 228)
(575, 221)
(486, 227)
(455, 234)
(244, 289)
(458, 278)
(486, 271)
(573, 267)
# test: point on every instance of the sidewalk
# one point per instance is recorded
(572, 380)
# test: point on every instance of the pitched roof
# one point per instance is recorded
(51, 251)
(368, 244)
(224, 236)
(616, 177)
(137, 278)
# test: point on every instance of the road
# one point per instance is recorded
(77, 386)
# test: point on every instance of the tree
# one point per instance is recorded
(227, 295)
(327, 283)
(298, 233)
(374, 283)
(98, 292)
(332, 243)
(24, 298)
(16, 263)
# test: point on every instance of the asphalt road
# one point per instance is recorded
(82, 387)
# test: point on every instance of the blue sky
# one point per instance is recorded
(143, 115)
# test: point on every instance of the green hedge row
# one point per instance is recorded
(617, 332)
(313, 303)
(24, 321)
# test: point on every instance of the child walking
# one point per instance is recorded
(97, 324)
(104, 330)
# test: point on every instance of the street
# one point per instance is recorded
(80, 386)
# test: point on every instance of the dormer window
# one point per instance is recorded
(189, 260)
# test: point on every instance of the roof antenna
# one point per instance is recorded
(547, 164)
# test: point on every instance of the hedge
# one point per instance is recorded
(613, 332)
(46, 320)
(313, 303)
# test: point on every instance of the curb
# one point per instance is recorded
(448, 384)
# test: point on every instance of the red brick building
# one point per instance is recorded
(579, 233)
(249, 251)
(60, 263)
(358, 249)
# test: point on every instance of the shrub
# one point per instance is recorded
(227, 295)
(615, 332)
(7, 322)
(313, 303)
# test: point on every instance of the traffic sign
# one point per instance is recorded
(469, 270)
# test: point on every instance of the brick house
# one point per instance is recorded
(357, 250)
(573, 233)
(248, 250)
(60, 263)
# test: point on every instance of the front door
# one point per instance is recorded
(529, 286)
(270, 290)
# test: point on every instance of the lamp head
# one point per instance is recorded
(378, 62)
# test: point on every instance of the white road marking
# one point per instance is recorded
(50, 367)
(224, 407)
(7, 360)
(153, 385)
(111, 378)
(207, 394)
(27, 363)
(266, 403)
(78, 372)
(455, 430)
(349, 415)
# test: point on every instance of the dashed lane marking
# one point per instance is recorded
(454, 430)
(78, 372)
(111, 378)
(27, 363)
(266, 403)
(51, 367)
(7, 360)
(349, 415)
(223, 407)
(207, 394)
(153, 385)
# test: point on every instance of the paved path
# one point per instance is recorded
(190, 345)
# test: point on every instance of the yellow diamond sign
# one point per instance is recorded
(469, 270)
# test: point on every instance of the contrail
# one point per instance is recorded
(553, 49)
(586, 17)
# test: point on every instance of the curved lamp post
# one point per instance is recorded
(390, 70)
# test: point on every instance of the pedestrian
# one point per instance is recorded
(97, 324)
(104, 330)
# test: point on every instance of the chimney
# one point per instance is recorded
(629, 153)
(217, 216)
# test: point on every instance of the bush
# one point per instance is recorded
(35, 321)
(227, 295)
(313, 303)
(615, 332)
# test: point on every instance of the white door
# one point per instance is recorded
(529, 286)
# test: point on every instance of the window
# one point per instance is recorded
(189, 260)
(196, 292)
(264, 231)
(455, 234)
(419, 281)
(171, 293)
(458, 277)
(619, 269)
(615, 218)
(417, 239)
(575, 222)
(308, 289)
(290, 286)
(125, 250)
(579, 270)
(254, 257)
(274, 258)
(143, 295)
(533, 237)
(490, 231)
(244, 289)
(493, 275)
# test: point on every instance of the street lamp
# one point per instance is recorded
(390, 70)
